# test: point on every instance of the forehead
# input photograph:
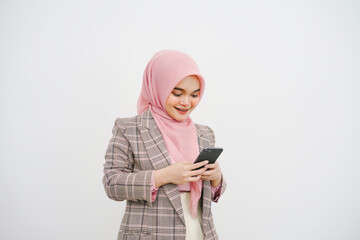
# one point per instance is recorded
(189, 83)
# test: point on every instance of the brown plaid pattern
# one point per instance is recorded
(127, 176)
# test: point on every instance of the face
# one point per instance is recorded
(184, 98)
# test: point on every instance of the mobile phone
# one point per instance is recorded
(210, 154)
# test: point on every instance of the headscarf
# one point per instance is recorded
(163, 72)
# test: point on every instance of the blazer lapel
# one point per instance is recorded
(159, 156)
(154, 142)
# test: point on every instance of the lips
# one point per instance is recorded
(182, 111)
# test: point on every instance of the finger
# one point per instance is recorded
(210, 175)
(212, 165)
(205, 177)
(198, 172)
(208, 172)
(200, 164)
(194, 178)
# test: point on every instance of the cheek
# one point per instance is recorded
(171, 101)
(195, 102)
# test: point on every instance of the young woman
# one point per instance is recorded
(149, 159)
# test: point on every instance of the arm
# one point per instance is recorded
(179, 173)
(119, 180)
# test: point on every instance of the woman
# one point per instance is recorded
(149, 160)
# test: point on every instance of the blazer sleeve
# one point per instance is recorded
(120, 180)
(215, 197)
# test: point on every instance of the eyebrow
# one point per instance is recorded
(180, 89)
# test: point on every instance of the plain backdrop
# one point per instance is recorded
(282, 94)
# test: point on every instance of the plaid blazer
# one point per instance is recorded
(134, 151)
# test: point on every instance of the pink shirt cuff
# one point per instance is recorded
(153, 189)
(215, 192)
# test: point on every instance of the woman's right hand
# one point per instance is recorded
(179, 173)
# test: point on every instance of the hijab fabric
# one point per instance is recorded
(163, 72)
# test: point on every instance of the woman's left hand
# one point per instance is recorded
(213, 174)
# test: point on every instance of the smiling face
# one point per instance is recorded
(184, 98)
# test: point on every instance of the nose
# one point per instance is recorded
(185, 101)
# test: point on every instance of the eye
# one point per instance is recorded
(195, 95)
(176, 95)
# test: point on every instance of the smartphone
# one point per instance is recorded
(210, 154)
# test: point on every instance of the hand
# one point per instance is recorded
(179, 173)
(213, 174)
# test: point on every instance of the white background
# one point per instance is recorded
(282, 94)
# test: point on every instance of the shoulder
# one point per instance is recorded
(126, 125)
(126, 122)
(203, 129)
(131, 124)
(206, 132)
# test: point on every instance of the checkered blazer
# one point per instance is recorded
(135, 150)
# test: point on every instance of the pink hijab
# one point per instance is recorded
(164, 71)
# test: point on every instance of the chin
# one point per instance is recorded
(181, 118)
